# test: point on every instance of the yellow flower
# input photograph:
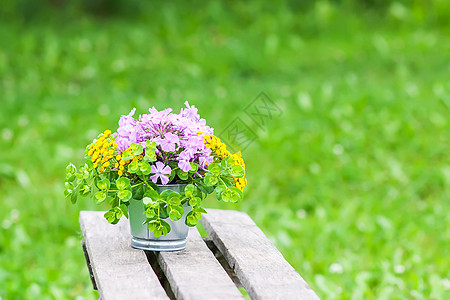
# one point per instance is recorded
(121, 168)
(241, 183)
(120, 173)
(106, 164)
(116, 165)
(118, 157)
(95, 165)
(107, 133)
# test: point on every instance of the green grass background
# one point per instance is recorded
(351, 182)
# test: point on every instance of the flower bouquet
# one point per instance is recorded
(160, 165)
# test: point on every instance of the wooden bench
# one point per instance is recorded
(237, 254)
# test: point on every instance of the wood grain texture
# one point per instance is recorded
(195, 274)
(120, 271)
(261, 268)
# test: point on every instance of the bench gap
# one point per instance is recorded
(153, 261)
(222, 260)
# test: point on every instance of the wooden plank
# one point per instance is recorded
(261, 268)
(195, 273)
(120, 271)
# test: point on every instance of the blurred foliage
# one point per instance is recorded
(351, 182)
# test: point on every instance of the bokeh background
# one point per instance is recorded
(351, 182)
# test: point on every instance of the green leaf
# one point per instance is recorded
(182, 175)
(191, 219)
(127, 155)
(73, 197)
(100, 196)
(138, 191)
(124, 195)
(223, 164)
(153, 225)
(189, 190)
(68, 185)
(229, 160)
(145, 168)
(150, 146)
(227, 181)
(149, 157)
(124, 209)
(165, 227)
(85, 190)
(70, 177)
(175, 212)
(150, 213)
(164, 196)
(210, 179)
(157, 232)
(147, 201)
(104, 184)
(118, 213)
(137, 149)
(219, 190)
(237, 171)
(152, 194)
(133, 167)
(194, 167)
(163, 214)
(200, 210)
(214, 169)
(71, 169)
(232, 194)
(68, 193)
(122, 183)
(194, 201)
(110, 216)
(174, 199)
(205, 189)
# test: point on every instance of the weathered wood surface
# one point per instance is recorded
(194, 273)
(120, 271)
(261, 268)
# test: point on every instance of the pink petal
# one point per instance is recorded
(159, 166)
(164, 179)
(154, 178)
(166, 170)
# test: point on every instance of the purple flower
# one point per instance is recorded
(205, 160)
(168, 142)
(179, 138)
(184, 165)
(190, 112)
(160, 171)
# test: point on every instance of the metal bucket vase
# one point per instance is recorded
(144, 239)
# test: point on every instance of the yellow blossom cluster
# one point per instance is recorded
(102, 150)
(220, 149)
(120, 164)
(238, 159)
(240, 182)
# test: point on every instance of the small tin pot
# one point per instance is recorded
(144, 239)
